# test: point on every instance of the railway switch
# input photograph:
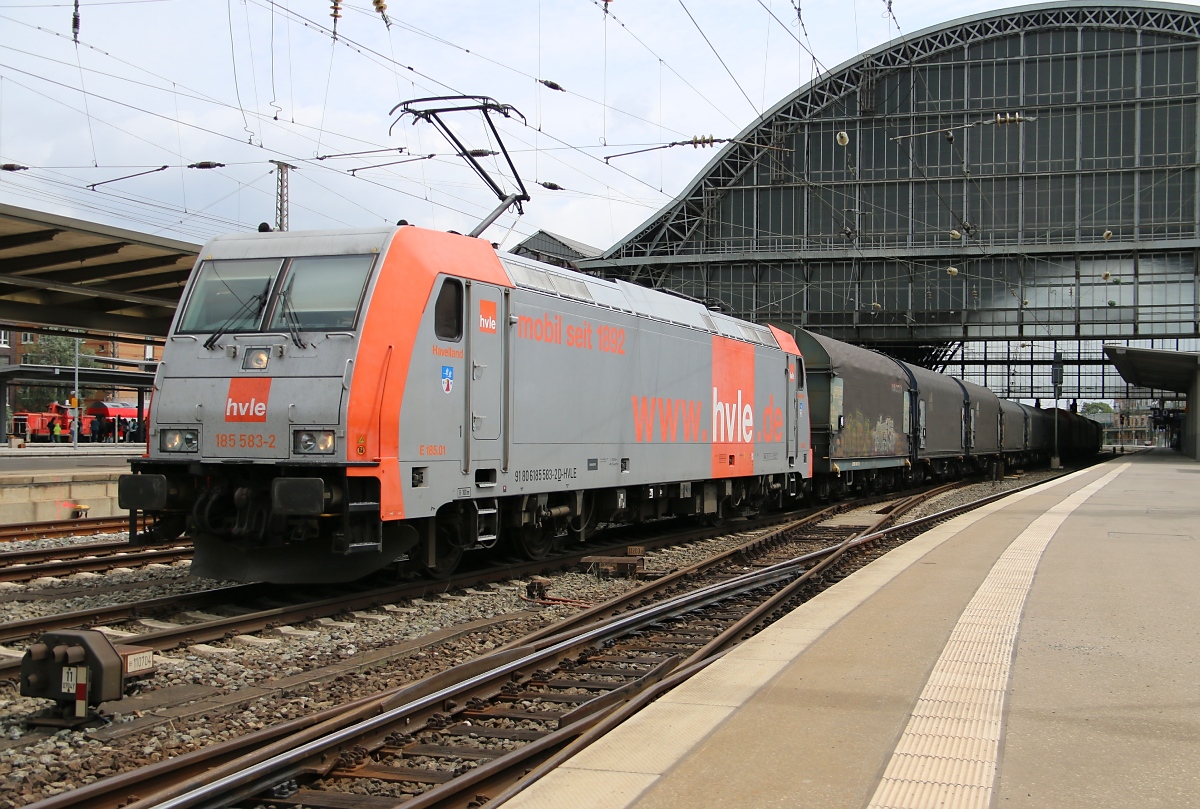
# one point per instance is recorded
(79, 670)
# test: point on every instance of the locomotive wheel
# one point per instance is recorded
(449, 551)
(535, 541)
(714, 520)
(168, 527)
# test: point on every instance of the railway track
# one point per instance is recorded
(63, 528)
(256, 618)
(87, 558)
(474, 729)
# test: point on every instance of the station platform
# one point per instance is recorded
(48, 482)
(1038, 652)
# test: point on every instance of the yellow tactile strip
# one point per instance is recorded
(947, 755)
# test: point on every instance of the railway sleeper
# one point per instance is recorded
(472, 731)
(316, 799)
(497, 712)
(396, 774)
(441, 751)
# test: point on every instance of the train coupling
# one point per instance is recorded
(79, 670)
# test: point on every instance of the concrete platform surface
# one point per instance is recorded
(47, 482)
(41, 457)
(1039, 652)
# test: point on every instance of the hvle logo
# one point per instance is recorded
(247, 399)
(487, 317)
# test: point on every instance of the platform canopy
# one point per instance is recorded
(65, 273)
(63, 376)
(1165, 370)
(1155, 368)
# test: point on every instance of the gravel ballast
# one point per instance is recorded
(35, 764)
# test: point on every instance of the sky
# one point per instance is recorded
(154, 83)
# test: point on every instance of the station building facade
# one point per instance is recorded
(973, 197)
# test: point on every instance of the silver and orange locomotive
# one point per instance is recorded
(332, 403)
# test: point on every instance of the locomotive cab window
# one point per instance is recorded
(321, 292)
(230, 295)
(447, 311)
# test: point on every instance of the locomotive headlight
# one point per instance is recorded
(256, 359)
(179, 440)
(313, 442)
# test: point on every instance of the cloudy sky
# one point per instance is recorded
(155, 83)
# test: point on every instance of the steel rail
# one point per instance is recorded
(79, 551)
(95, 794)
(19, 572)
(780, 534)
(15, 630)
(497, 770)
(160, 778)
(62, 528)
(270, 772)
(286, 765)
(720, 645)
(166, 639)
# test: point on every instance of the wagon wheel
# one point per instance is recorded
(535, 541)
(449, 547)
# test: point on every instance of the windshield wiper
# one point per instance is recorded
(290, 318)
(244, 309)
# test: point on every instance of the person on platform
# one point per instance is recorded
(56, 430)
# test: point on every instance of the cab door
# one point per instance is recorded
(791, 408)
(485, 370)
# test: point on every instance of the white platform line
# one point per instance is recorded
(947, 756)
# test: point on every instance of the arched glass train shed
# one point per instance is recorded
(1007, 185)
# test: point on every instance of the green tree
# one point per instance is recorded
(51, 349)
(1092, 408)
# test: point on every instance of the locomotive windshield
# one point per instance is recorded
(312, 292)
(230, 295)
(321, 293)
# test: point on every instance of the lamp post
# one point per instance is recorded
(1056, 377)
(75, 425)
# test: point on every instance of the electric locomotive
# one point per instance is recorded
(332, 403)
